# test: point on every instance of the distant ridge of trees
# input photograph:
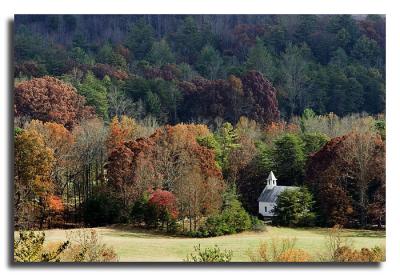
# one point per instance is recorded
(330, 63)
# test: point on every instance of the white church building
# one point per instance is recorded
(268, 197)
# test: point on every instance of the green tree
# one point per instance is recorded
(135, 86)
(222, 142)
(170, 97)
(209, 62)
(366, 50)
(265, 157)
(232, 219)
(153, 103)
(260, 59)
(27, 45)
(289, 159)
(187, 72)
(347, 22)
(294, 208)
(107, 55)
(308, 114)
(313, 142)
(160, 53)
(140, 39)
(336, 90)
(339, 58)
(80, 56)
(95, 93)
(307, 24)
(228, 140)
(188, 40)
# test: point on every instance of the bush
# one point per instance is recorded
(87, 247)
(277, 250)
(335, 240)
(340, 249)
(139, 209)
(294, 256)
(101, 210)
(209, 255)
(346, 254)
(293, 208)
(29, 247)
(232, 219)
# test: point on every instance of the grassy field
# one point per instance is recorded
(141, 245)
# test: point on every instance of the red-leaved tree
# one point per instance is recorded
(51, 100)
(164, 203)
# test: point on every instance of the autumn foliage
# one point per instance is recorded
(252, 95)
(294, 255)
(172, 160)
(164, 202)
(55, 204)
(347, 254)
(32, 178)
(50, 100)
(359, 161)
(188, 125)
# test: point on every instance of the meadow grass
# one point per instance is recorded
(141, 245)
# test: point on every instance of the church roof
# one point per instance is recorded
(271, 176)
(271, 195)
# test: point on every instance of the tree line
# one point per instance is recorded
(330, 63)
(177, 127)
(71, 166)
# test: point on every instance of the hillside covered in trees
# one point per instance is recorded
(327, 63)
(174, 122)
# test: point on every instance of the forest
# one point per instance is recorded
(173, 122)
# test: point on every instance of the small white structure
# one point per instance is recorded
(267, 199)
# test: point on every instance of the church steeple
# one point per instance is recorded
(271, 181)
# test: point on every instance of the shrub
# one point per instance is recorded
(275, 250)
(340, 249)
(346, 254)
(87, 247)
(335, 239)
(294, 256)
(143, 212)
(232, 219)
(209, 255)
(293, 208)
(139, 209)
(29, 247)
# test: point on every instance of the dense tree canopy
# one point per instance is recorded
(49, 99)
(354, 197)
(166, 160)
(331, 63)
(252, 96)
(175, 121)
